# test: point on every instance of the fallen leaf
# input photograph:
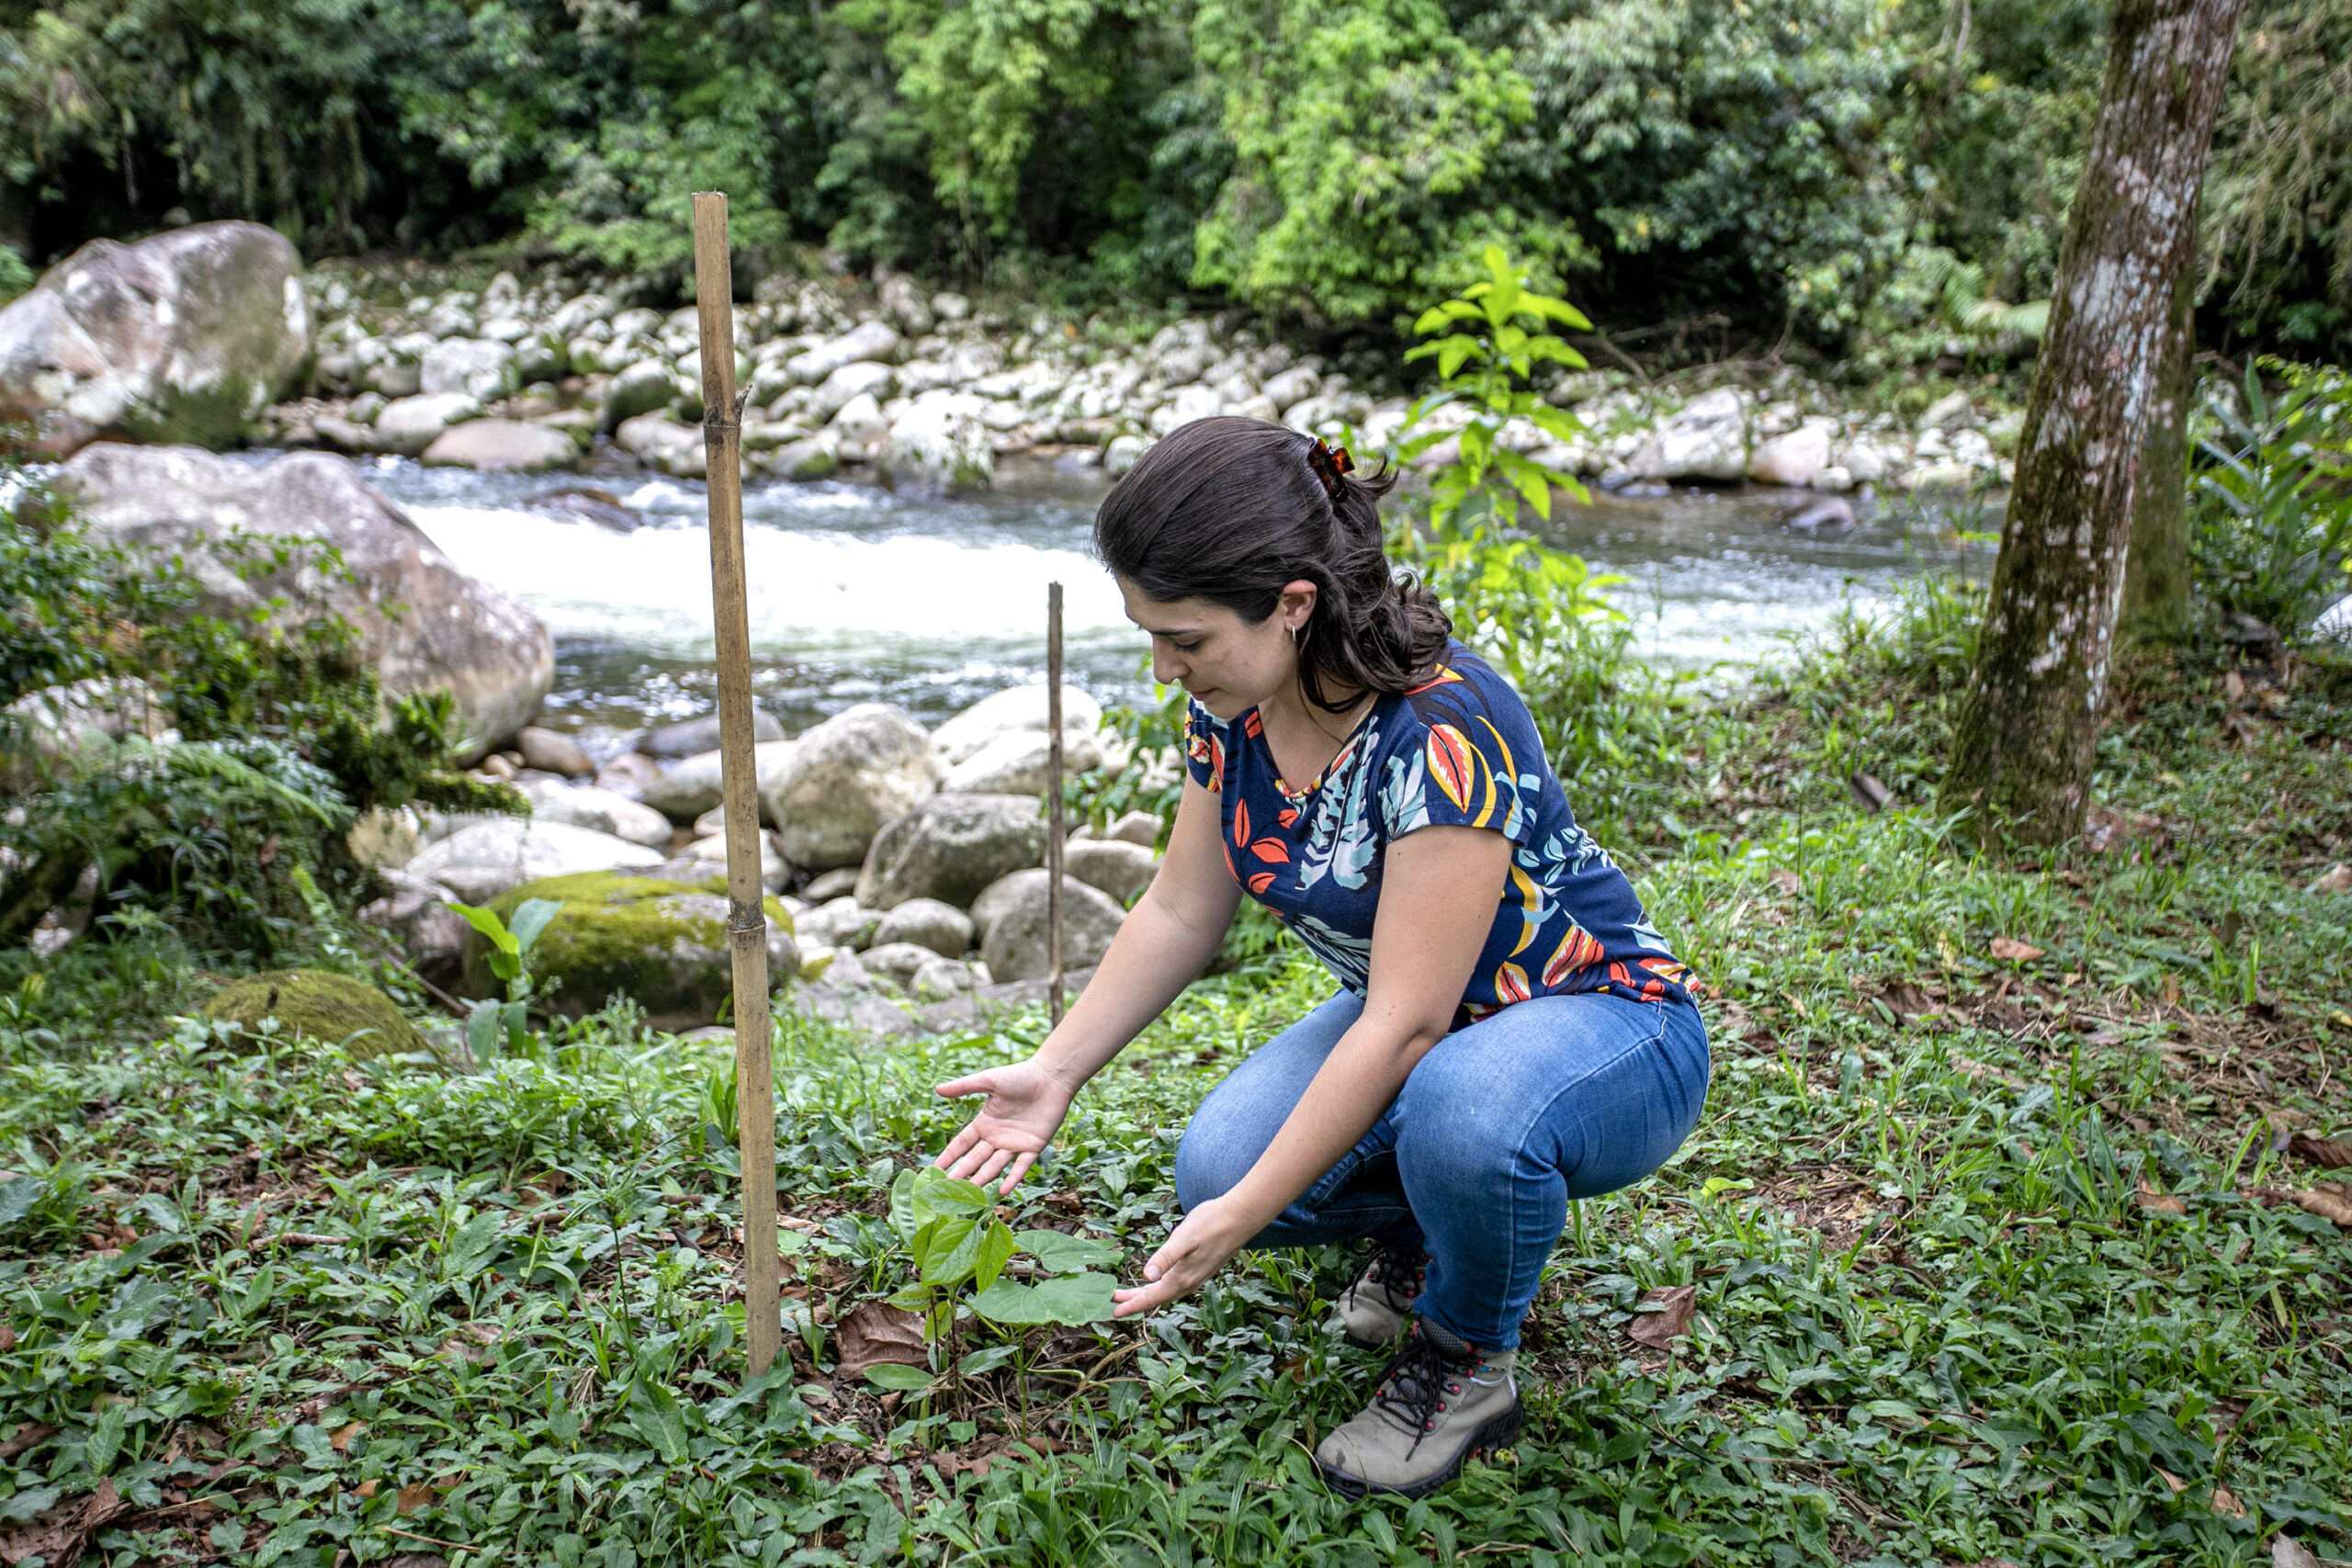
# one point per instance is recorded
(31, 1435)
(2149, 1198)
(340, 1441)
(2174, 1481)
(2233, 686)
(877, 1334)
(2224, 1501)
(1870, 791)
(7, 1337)
(1788, 882)
(2169, 992)
(2326, 1205)
(1672, 1319)
(2326, 1153)
(59, 1535)
(366, 1488)
(2010, 950)
(2286, 1551)
(2337, 879)
(415, 1495)
(1909, 1000)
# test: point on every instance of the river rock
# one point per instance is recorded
(841, 922)
(553, 752)
(484, 859)
(861, 379)
(1136, 828)
(1951, 408)
(1287, 389)
(586, 504)
(950, 848)
(187, 336)
(1123, 453)
(448, 629)
(638, 389)
(927, 923)
(860, 769)
(599, 810)
(321, 1007)
(61, 722)
(1866, 464)
(707, 857)
(859, 429)
(496, 444)
(1015, 762)
(897, 960)
(416, 915)
(661, 441)
(480, 368)
(941, 978)
(660, 944)
(1012, 710)
(409, 425)
(940, 441)
(692, 736)
(1706, 439)
(872, 341)
(1120, 869)
(1013, 939)
(629, 775)
(905, 304)
(686, 788)
(815, 457)
(1796, 458)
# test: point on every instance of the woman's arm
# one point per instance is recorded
(1438, 895)
(1167, 938)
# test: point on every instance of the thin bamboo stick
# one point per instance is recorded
(1054, 830)
(747, 924)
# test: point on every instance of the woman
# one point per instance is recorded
(1509, 1033)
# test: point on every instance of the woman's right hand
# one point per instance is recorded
(1024, 1108)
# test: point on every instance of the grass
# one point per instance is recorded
(1986, 1257)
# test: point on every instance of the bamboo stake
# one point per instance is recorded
(747, 924)
(1054, 827)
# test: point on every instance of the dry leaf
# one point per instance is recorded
(7, 1337)
(2174, 1481)
(340, 1441)
(2010, 950)
(2326, 1153)
(2224, 1501)
(1870, 791)
(2233, 686)
(366, 1488)
(415, 1495)
(1660, 1328)
(877, 1334)
(2326, 1205)
(2149, 1198)
(58, 1536)
(31, 1435)
(1787, 882)
(2337, 879)
(2169, 992)
(2286, 1551)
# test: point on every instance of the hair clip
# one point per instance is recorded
(1329, 463)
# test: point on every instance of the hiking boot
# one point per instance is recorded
(1440, 1402)
(1375, 1308)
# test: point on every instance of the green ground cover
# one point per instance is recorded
(2005, 1235)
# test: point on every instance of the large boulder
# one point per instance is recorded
(1119, 869)
(186, 336)
(599, 811)
(321, 1007)
(410, 425)
(849, 383)
(484, 859)
(941, 443)
(1014, 709)
(1795, 459)
(423, 624)
(1706, 439)
(502, 445)
(950, 848)
(692, 736)
(1012, 916)
(660, 442)
(688, 788)
(417, 916)
(860, 769)
(927, 923)
(660, 944)
(1018, 762)
(482, 369)
(872, 341)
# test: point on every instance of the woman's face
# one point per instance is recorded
(1225, 663)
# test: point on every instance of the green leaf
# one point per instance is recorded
(482, 1030)
(1556, 423)
(1059, 1254)
(653, 1411)
(1064, 1298)
(487, 922)
(902, 1205)
(17, 1197)
(996, 1248)
(986, 1359)
(530, 920)
(475, 1243)
(948, 1250)
(905, 1380)
(106, 1438)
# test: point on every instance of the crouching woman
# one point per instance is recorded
(1510, 1031)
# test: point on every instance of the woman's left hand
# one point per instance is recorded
(1202, 1240)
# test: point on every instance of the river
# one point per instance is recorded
(858, 594)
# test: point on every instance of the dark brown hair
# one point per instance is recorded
(1232, 511)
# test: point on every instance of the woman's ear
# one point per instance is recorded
(1296, 605)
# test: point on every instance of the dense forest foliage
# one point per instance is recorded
(1855, 179)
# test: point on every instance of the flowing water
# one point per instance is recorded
(858, 594)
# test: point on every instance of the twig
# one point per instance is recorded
(429, 1540)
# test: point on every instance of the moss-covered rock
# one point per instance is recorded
(659, 943)
(310, 1004)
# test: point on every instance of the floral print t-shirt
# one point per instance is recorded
(1461, 750)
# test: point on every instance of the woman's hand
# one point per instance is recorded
(1209, 1234)
(1024, 1108)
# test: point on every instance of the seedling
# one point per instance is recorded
(510, 948)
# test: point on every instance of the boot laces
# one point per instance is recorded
(1414, 1389)
(1395, 1270)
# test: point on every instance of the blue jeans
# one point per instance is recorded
(1475, 1162)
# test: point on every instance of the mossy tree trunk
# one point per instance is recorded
(2028, 722)
(2156, 571)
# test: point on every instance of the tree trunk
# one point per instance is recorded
(2028, 722)
(2155, 570)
